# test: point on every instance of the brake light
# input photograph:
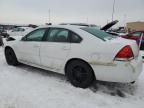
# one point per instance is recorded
(125, 53)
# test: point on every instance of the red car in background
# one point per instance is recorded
(136, 36)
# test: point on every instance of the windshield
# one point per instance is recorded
(98, 33)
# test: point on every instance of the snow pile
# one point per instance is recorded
(28, 87)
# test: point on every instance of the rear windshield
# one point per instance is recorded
(98, 33)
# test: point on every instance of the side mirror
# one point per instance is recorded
(10, 39)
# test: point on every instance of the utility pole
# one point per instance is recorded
(49, 16)
(113, 11)
(87, 19)
(125, 20)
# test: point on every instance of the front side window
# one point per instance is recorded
(58, 35)
(36, 35)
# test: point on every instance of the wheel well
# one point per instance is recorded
(8, 47)
(78, 60)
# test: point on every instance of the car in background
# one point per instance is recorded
(3, 32)
(81, 53)
(1, 41)
(19, 31)
(137, 36)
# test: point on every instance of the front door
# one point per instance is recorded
(29, 47)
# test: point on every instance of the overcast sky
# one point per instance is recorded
(92, 11)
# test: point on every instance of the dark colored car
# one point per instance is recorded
(1, 41)
(3, 32)
(136, 36)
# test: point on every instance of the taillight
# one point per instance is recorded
(125, 53)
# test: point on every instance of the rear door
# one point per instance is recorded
(55, 49)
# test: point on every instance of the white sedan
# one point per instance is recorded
(83, 54)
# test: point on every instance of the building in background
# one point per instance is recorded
(135, 26)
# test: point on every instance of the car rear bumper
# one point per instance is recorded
(119, 71)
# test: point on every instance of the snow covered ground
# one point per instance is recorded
(29, 87)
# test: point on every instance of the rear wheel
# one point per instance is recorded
(79, 73)
(10, 57)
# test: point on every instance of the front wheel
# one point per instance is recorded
(11, 57)
(79, 74)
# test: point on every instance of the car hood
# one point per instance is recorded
(109, 25)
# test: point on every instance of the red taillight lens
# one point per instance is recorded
(125, 53)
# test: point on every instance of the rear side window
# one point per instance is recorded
(75, 38)
(58, 35)
(98, 33)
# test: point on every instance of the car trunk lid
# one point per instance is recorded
(124, 42)
(109, 25)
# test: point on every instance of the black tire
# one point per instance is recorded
(79, 74)
(11, 57)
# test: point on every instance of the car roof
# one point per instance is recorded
(80, 24)
(63, 26)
